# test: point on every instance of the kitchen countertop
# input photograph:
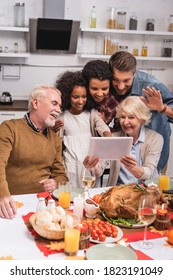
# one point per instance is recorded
(18, 105)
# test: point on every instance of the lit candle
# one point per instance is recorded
(162, 211)
(162, 219)
(78, 206)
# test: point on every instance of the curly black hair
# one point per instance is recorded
(97, 69)
(66, 83)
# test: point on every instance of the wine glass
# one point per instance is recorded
(147, 214)
(88, 178)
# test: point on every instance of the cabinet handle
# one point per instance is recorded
(7, 114)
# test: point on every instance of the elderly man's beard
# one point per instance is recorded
(51, 122)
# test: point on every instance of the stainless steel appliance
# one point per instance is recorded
(6, 98)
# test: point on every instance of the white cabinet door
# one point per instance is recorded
(8, 115)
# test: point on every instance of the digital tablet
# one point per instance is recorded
(110, 148)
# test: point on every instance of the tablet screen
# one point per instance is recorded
(110, 148)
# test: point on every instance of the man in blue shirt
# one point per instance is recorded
(127, 80)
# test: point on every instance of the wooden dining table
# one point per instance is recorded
(20, 242)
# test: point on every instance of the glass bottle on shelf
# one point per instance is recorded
(167, 48)
(144, 51)
(99, 44)
(19, 14)
(16, 47)
(121, 20)
(170, 26)
(111, 22)
(6, 49)
(135, 52)
(93, 17)
(150, 24)
(133, 22)
(107, 45)
(114, 46)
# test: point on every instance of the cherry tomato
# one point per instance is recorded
(94, 224)
(114, 228)
(102, 237)
(114, 234)
(108, 232)
(95, 236)
(101, 223)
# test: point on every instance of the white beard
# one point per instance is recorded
(49, 123)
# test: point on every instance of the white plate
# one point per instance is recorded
(110, 239)
(94, 191)
(110, 252)
(133, 226)
(74, 192)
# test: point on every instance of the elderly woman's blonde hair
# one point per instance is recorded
(38, 92)
(133, 105)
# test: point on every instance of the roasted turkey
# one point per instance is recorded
(123, 200)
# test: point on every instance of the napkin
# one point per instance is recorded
(47, 196)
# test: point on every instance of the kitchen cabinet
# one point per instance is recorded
(8, 115)
(132, 38)
(11, 35)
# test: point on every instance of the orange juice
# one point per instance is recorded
(72, 237)
(164, 182)
(64, 199)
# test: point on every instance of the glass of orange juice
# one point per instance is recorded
(164, 181)
(64, 194)
(72, 237)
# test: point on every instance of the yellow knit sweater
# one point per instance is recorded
(26, 157)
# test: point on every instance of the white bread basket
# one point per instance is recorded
(51, 234)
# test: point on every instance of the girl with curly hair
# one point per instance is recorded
(77, 122)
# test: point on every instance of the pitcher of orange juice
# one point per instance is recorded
(64, 194)
(164, 181)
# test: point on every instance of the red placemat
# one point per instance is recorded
(136, 236)
(142, 256)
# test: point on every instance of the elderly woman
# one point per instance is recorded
(133, 115)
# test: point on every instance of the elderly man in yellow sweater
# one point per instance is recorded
(30, 151)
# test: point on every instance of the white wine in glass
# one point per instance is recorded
(88, 179)
(147, 214)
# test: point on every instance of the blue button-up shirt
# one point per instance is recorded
(159, 122)
(125, 176)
